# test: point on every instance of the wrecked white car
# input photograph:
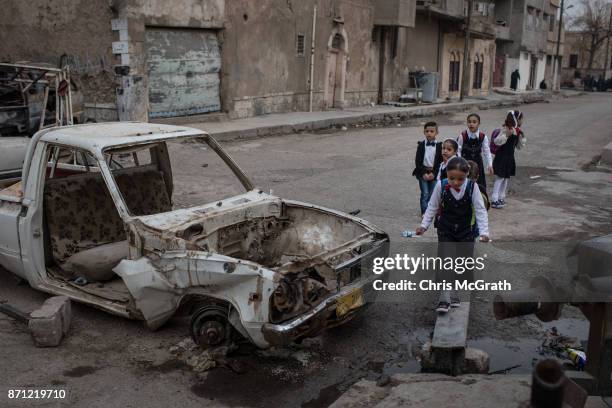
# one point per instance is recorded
(100, 216)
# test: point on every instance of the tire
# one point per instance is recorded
(211, 328)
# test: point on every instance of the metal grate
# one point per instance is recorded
(300, 45)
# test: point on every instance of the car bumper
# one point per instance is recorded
(327, 314)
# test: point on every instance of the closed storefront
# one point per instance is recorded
(183, 67)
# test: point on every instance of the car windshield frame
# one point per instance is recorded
(104, 154)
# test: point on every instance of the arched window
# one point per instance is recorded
(478, 71)
(454, 71)
(337, 42)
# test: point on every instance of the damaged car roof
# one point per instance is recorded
(99, 136)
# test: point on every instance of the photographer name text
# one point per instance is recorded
(431, 285)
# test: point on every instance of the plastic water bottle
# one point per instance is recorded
(577, 357)
(408, 234)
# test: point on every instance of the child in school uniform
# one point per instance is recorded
(473, 144)
(449, 150)
(457, 203)
(427, 162)
(507, 139)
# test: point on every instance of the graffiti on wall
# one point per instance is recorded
(86, 64)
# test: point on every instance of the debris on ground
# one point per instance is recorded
(557, 342)
(564, 348)
(578, 357)
(200, 360)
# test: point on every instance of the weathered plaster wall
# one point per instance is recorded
(422, 41)
(524, 65)
(455, 43)
(540, 69)
(262, 72)
(42, 31)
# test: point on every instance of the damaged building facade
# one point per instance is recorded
(242, 58)
(576, 59)
(437, 44)
(151, 60)
(526, 36)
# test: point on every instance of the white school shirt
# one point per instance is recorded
(443, 166)
(479, 208)
(485, 149)
(430, 155)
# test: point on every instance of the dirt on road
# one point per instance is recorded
(561, 194)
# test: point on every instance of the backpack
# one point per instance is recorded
(492, 146)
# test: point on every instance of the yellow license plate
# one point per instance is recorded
(349, 302)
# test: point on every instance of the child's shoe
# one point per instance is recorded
(503, 202)
(497, 204)
(455, 302)
(443, 307)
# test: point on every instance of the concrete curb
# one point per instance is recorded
(388, 118)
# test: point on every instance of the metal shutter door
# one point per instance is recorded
(183, 69)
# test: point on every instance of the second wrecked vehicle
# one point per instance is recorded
(103, 214)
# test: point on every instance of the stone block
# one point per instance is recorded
(476, 361)
(606, 154)
(49, 324)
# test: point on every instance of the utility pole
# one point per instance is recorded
(465, 78)
(557, 62)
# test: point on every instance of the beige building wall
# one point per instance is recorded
(71, 32)
(422, 42)
(575, 45)
(261, 71)
(452, 49)
(263, 74)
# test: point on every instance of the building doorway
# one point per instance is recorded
(335, 79)
(500, 71)
(533, 66)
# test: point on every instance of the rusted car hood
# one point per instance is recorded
(173, 220)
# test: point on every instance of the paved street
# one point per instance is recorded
(558, 195)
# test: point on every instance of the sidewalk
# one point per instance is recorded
(295, 122)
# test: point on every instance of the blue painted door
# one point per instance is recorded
(183, 67)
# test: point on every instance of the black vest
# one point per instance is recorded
(456, 215)
(472, 148)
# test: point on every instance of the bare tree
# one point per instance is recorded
(594, 23)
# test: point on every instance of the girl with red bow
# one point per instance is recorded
(509, 138)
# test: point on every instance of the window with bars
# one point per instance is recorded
(478, 70)
(573, 61)
(551, 23)
(453, 74)
(300, 45)
(394, 41)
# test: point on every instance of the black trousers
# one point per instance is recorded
(456, 246)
